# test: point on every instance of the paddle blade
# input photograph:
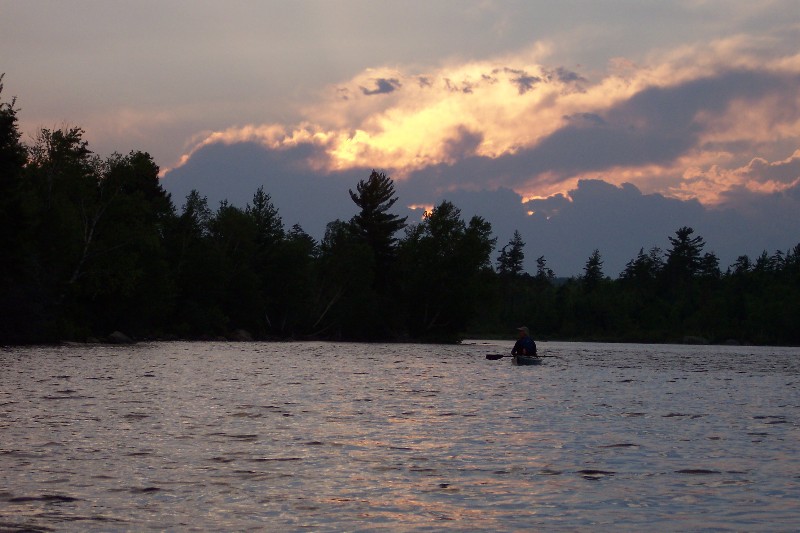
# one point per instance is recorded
(494, 356)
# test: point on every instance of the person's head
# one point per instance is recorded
(523, 331)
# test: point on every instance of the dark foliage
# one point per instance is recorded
(445, 262)
(659, 300)
(512, 256)
(375, 227)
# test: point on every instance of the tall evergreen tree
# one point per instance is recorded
(512, 256)
(593, 271)
(375, 226)
(543, 272)
(268, 221)
(741, 266)
(374, 223)
(708, 266)
(684, 258)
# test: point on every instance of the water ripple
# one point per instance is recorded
(226, 436)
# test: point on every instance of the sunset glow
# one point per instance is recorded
(541, 117)
(406, 120)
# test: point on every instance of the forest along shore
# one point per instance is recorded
(95, 245)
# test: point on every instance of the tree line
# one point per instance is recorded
(677, 295)
(92, 245)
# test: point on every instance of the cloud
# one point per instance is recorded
(619, 220)
(524, 81)
(564, 228)
(704, 135)
(567, 76)
(724, 185)
(763, 171)
(383, 86)
(675, 126)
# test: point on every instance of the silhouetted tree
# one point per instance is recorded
(234, 237)
(593, 271)
(543, 272)
(374, 223)
(269, 226)
(683, 259)
(444, 260)
(377, 227)
(12, 152)
(345, 299)
(20, 290)
(124, 279)
(741, 266)
(198, 270)
(542, 313)
(512, 256)
(291, 287)
(645, 268)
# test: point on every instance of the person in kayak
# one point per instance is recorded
(524, 344)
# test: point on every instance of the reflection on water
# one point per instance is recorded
(337, 437)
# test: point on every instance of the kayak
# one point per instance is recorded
(522, 360)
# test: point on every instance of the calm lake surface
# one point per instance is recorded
(359, 437)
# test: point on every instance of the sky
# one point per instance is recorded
(604, 124)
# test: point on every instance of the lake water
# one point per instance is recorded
(359, 437)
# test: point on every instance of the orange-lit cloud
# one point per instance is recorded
(689, 123)
(759, 175)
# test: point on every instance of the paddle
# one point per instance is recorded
(496, 356)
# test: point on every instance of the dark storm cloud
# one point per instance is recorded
(466, 86)
(587, 119)
(566, 76)
(382, 86)
(524, 81)
(234, 172)
(618, 221)
(463, 144)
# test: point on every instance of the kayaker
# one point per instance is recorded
(524, 344)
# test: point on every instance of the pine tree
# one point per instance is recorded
(593, 271)
(511, 258)
(684, 259)
(374, 224)
(543, 272)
